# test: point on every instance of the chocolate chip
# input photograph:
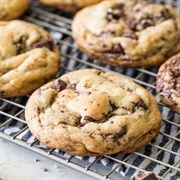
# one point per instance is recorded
(44, 169)
(117, 48)
(116, 12)
(74, 86)
(142, 104)
(85, 119)
(121, 133)
(100, 71)
(88, 118)
(131, 22)
(163, 15)
(20, 45)
(139, 104)
(59, 85)
(116, 135)
(44, 43)
(130, 35)
(113, 106)
(146, 23)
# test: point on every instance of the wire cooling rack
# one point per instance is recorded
(162, 155)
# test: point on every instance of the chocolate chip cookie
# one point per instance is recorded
(69, 5)
(28, 58)
(12, 9)
(128, 33)
(92, 112)
(168, 83)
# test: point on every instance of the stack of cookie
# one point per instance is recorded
(91, 112)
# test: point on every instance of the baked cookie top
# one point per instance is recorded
(28, 58)
(12, 9)
(128, 32)
(92, 112)
(168, 83)
(69, 5)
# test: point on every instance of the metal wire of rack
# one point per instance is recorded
(162, 155)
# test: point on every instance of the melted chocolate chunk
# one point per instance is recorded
(113, 106)
(116, 135)
(131, 22)
(146, 23)
(130, 35)
(139, 104)
(121, 133)
(85, 119)
(88, 118)
(163, 15)
(74, 86)
(59, 85)
(115, 12)
(20, 46)
(117, 48)
(44, 43)
(145, 176)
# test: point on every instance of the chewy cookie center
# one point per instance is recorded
(94, 105)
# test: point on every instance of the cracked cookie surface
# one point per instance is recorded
(12, 9)
(128, 33)
(28, 58)
(92, 112)
(168, 83)
(69, 5)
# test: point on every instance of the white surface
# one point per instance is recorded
(17, 163)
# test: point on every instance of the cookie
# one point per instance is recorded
(144, 176)
(12, 9)
(69, 5)
(168, 83)
(128, 33)
(28, 58)
(92, 112)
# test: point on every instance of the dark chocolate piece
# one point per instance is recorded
(59, 85)
(44, 43)
(130, 35)
(117, 48)
(139, 104)
(131, 22)
(20, 46)
(116, 135)
(146, 23)
(115, 12)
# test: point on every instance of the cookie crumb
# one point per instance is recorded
(37, 160)
(44, 169)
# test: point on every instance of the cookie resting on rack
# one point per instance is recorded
(12, 9)
(29, 58)
(92, 112)
(128, 32)
(71, 6)
(168, 83)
